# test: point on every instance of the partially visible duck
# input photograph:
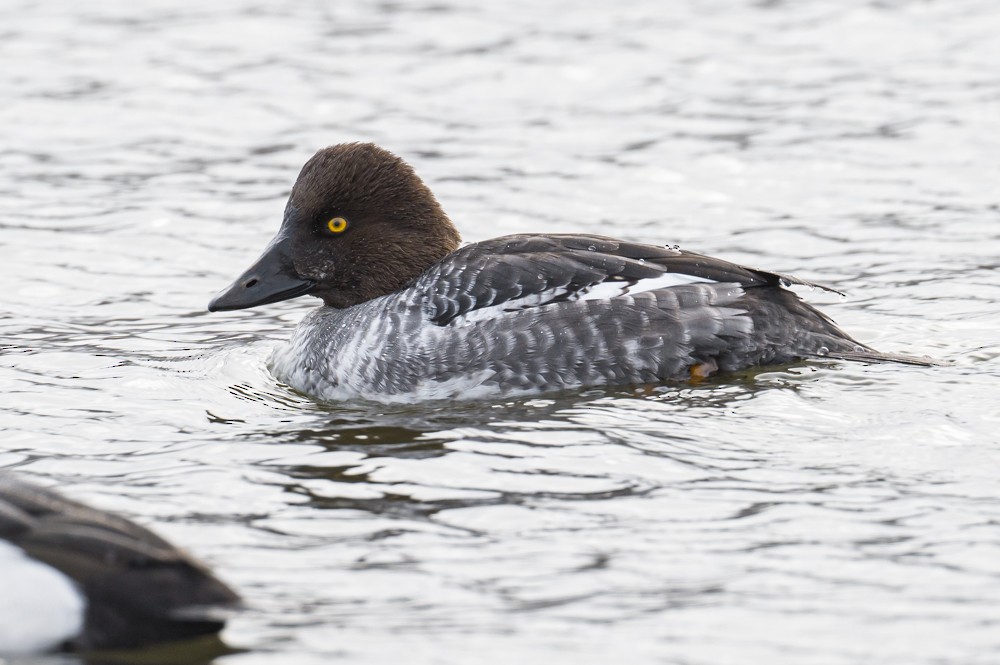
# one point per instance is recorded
(74, 577)
(409, 315)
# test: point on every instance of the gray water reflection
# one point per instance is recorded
(819, 513)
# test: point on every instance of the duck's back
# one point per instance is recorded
(530, 312)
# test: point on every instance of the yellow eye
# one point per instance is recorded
(337, 225)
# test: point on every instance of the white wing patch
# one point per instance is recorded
(613, 288)
(40, 607)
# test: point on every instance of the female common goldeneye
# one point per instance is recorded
(73, 577)
(409, 315)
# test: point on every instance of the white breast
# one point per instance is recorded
(39, 606)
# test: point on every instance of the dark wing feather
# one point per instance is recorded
(140, 588)
(514, 268)
(525, 271)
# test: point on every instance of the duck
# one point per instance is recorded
(409, 314)
(77, 578)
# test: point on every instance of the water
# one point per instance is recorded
(823, 513)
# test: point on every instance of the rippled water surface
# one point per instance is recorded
(821, 513)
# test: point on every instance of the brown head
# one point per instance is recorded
(359, 224)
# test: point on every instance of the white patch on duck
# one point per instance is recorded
(40, 607)
(613, 288)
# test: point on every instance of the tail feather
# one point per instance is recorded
(873, 356)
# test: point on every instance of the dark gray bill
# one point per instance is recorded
(271, 279)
